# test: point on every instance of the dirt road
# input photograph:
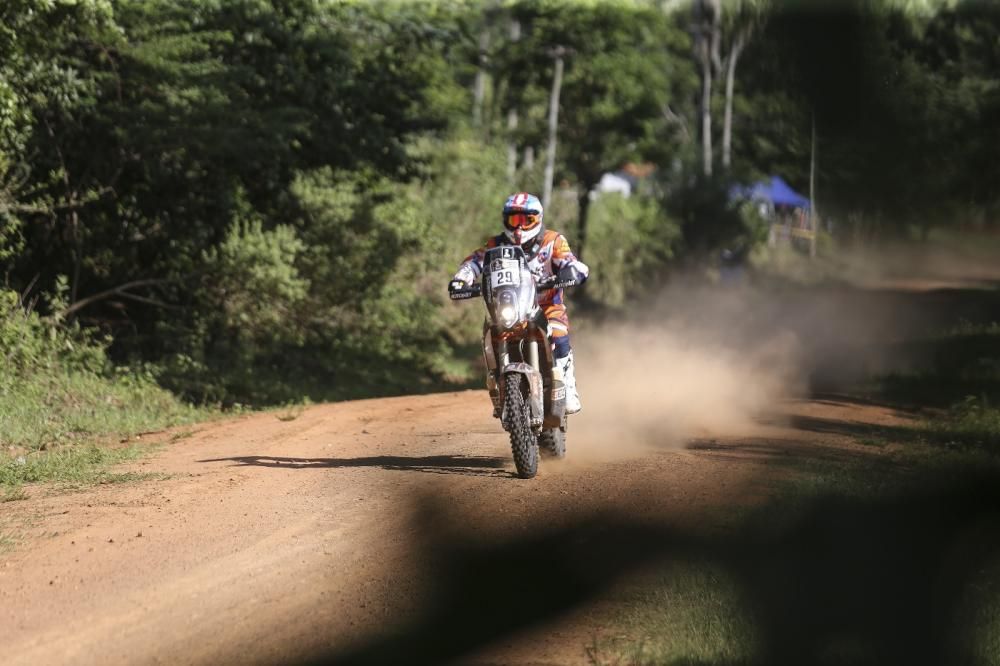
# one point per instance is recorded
(348, 529)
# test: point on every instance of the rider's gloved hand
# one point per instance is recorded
(570, 275)
(456, 285)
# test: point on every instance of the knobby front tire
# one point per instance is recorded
(523, 442)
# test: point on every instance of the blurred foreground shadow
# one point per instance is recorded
(826, 580)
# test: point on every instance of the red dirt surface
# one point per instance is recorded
(277, 541)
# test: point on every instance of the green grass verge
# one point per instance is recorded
(62, 408)
(889, 557)
(66, 426)
(76, 465)
(955, 366)
(686, 613)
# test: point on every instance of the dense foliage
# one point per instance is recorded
(262, 200)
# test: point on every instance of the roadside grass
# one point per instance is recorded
(65, 410)
(960, 376)
(697, 610)
(945, 256)
(889, 556)
(685, 613)
(75, 465)
(68, 427)
(13, 494)
(291, 410)
(951, 367)
(971, 425)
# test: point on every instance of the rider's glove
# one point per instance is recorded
(456, 285)
(570, 275)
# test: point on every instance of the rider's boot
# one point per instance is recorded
(569, 380)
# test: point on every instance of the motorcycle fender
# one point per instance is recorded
(535, 400)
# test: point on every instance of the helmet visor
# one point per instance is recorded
(522, 221)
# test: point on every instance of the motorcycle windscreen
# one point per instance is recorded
(508, 287)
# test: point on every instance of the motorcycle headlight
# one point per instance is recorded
(508, 315)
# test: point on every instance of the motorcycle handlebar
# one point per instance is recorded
(474, 290)
(467, 292)
(555, 283)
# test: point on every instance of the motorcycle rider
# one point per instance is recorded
(548, 253)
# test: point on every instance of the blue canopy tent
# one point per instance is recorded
(777, 192)
(788, 212)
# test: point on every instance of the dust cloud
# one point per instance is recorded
(920, 266)
(694, 365)
(702, 361)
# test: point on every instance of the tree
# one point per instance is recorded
(742, 19)
(51, 69)
(707, 21)
(626, 67)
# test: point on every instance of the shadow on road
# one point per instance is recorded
(823, 579)
(854, 429)
(468, 465)
(795, 452)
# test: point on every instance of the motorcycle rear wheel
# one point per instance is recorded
(523, 441)
(552, 443)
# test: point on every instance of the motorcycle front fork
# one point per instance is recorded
(504, 357)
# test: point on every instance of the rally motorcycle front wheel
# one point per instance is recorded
(523, 441)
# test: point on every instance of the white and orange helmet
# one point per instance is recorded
(522, 217)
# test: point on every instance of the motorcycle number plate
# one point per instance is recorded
(505, 272)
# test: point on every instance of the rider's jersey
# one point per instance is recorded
(545, 259)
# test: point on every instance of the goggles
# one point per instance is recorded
(523, 221)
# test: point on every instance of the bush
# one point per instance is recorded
(631, 242)
(348, 298)
(57, 386)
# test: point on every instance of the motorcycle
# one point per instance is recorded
(524, 383)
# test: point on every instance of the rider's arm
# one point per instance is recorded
(563, 258)
(472, 267)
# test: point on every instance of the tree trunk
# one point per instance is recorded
(706, 119)
(583, 209)
(479, 87)
(550, 157)
(511, 146)
(514, 35)
(529, 158)
(813, 217)
(708, 28)
(727, 121)
(74, 288)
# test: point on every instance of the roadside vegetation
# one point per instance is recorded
(66, 413)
